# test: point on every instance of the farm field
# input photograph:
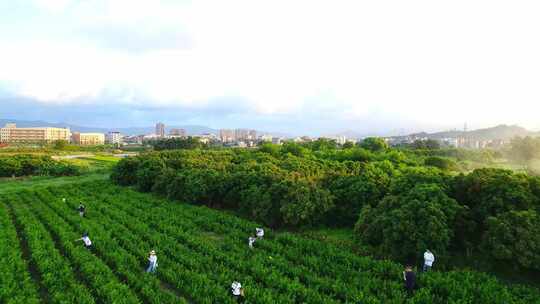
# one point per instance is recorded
(200, 253)
(13, 185)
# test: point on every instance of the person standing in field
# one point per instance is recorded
(429, 258)
(82, 209)
(237, 292)
(152, 262)
(251, 241)
(410, 279)
(86, 240)
(259, 233)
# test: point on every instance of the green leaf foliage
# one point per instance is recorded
(26, 165)
(402, 226)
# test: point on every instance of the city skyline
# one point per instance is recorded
(494, 138)
(324, 68)
(162, 130)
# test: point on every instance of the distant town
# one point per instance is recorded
(11, 134)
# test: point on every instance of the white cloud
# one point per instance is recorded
(53, 6)
(438, 63)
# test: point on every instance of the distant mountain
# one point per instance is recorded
(499, 132)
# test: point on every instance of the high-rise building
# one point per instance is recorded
(252, 135)
(227, 135)
(88, 139)
(11, 134)
(160, 129)
(177, 133)
(114, 138)
(341, 140)
(241, 134)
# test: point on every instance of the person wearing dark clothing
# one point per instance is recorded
(82, 209)
(410, 279)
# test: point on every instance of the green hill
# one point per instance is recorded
(503, 132)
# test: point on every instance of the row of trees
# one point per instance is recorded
(524, 150)
(26, 165)
(188, 143)
(398, 206)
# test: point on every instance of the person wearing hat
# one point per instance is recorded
(86, 240)
(259, 233)
(237, 292)
(429, 258)
(251, 241)
(152, 262)
(81, 209)
(410, 279)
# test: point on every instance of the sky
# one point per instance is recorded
(300, 67)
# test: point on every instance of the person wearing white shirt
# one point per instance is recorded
(429, 258)
(86, 240)
(251, 241)
(152, 262)
(237, 291)
(259, 233)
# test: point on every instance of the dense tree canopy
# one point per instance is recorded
(403, 225)
(348, 145)
(525, 149)
(442, 163)
(402, 201)
(26, 165)
(177, 143)
(322, 144)
(514, 237)
(374, 144)
(429, 144)
(489, 192)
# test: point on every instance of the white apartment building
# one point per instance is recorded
(114, 138)
(11, 134)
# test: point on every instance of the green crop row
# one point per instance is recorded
(16, 286)
(174, 257)
(201, 251)
(56, 272)
(343, 286)
(126, 265)
(174, 268)
(105, 285)
(381, 278)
